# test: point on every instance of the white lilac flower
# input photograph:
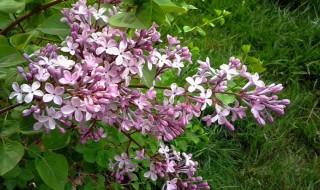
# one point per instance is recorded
(31, 91)
(17, 92)
(194, 84)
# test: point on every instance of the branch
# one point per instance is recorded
(35, 11)
(11, 107)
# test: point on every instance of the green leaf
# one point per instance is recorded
(54, 26)
(258, 68)
(90, 154)
(135, 185)
(222, 21)
(104, 156)
(5, 20)
(20, 41)
(148, 11)
(9, 127)
(12, 6)
(255, 64)
(3, 39)
(192, 137)
(53, 170)
(148, 76)
(126, 20)
(201, 32)
(218, 12)
(226, 98)
(246, 48)
(13, 173)
(9, 56)
(10, 154)
(55, 140)
(226, 13)
(169, 7)
(144, 12)
(187, 29)
(158, 14)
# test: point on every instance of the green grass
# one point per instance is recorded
(285, 154)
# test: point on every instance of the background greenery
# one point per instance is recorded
(285, 37)
(278, 39)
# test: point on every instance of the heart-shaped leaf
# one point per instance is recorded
(53, 170)
(10, 154)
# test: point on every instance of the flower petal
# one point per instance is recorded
(35, 85)
(190, 80)
(59, 90)
(38, 93)
(16, 87)
(49, 88)
(57, 100)
(48, 97)
(37, 126)
(26, 88)
(78, 115)
(28, 98)
(113, 51)
(67, 109)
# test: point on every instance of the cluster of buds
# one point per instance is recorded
(94, 76)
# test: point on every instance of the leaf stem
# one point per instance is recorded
(20, 26)
(10, 107)
(24, 17)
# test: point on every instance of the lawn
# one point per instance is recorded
(285, 37)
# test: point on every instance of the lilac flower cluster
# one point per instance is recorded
(177, 169)
(255, 94)
(94, 77)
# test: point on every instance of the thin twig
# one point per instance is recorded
(24, 17)
(48, 39)
(20, 26)
(10, 107)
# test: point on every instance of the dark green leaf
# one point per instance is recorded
(9, 56)
(19, 41)
(53, 170)
(144, 12)
(126, 20)
(10, 154)
(5, 20)
(54, 26)
(9, 127)
(104, 156)
(3, 40)
(158, 14)
(13, 173)
(148, 76)
(55, 140)
(149, 11)
(12, 6)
